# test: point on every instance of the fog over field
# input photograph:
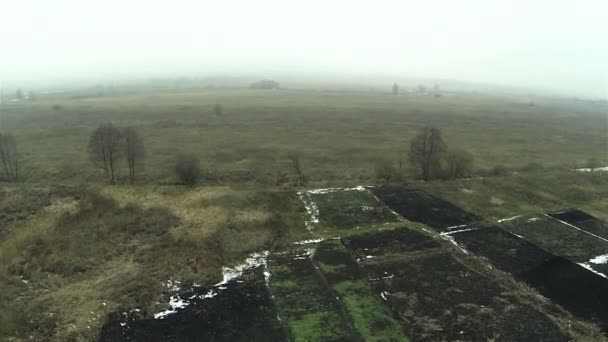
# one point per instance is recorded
(554, 46)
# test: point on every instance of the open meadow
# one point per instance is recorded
(339, 136)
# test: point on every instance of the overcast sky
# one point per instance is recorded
(547, 44)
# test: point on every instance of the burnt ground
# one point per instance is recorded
(578, 290)
(503, 249)
(420, 206)
(571, 216)
(437, 298)
(389, 241)
(440, 299)
(242, 312)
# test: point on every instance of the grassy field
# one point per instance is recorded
(340, 136)
(74, 249)
(71, 256)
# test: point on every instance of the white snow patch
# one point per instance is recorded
(600, 259)
(454, 227)
(590, 268)
(176, 303)
(596, 169)
(509, 218)
(328, 190)
(457, 231)
(312, 211)
(305, 242)
(453, 241)
(534, 219)
(519, 236)
(228, 274)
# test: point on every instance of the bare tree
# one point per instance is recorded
(134, 150)
(426, 150)
(105, 149)
(297, 168)
(9, 157)
(459, 163)
(395, 89)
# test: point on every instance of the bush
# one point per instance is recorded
(458, 164)
(187, 169)
(385, 171)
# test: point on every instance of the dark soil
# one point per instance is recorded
(242, 312)
(572, 216)
(503, 249)
(420, 206)
(578, 290)
(439, 299)
(389, 241)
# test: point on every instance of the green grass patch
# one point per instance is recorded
(372, 319)
(303, 304)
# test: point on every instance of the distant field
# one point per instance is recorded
(340, 136)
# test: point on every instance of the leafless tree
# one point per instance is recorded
(9, 157)
(134, 150)
(395, 89)
(105, 149)
(297, 168)
(426, 150)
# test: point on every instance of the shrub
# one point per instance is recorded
(385, 171)
(458, 164)
(187, 169)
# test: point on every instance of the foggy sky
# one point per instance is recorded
(543, 44)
